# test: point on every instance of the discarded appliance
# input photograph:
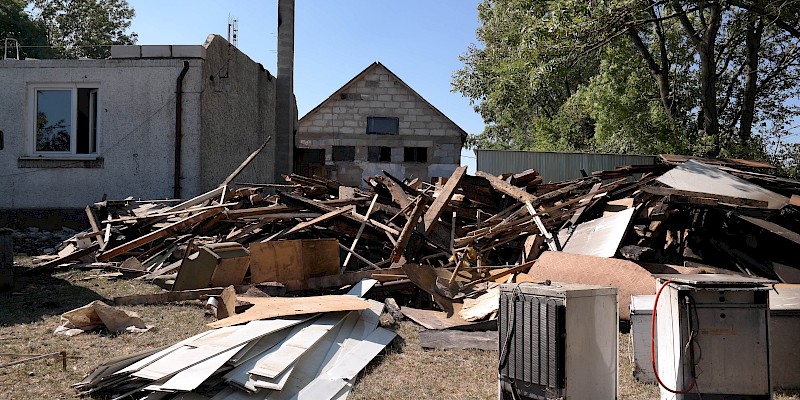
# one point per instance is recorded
(784, 329)
(713, 340)
(557, 341)
(641, 329)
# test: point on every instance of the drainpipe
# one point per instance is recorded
(178, 133)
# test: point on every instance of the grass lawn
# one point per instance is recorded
(30, 313)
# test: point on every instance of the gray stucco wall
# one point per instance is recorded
(136, 102)
(223, 121)
(379, 93)
(238, 114)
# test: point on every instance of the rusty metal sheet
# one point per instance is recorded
(698, 177)
(628, 277)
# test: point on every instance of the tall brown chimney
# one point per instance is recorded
(284, 93)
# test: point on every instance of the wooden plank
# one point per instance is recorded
(795, 200)
(95, 226)
(74, 256)
(506, 188)
(172, 229)
(532, 247)
(211, 194)
(459, 340)
(494, 277)
(360, 231)
(271, 307)
(739, 201)
(244, 164)
(358, 256)
(774, 228)
(315, 221)
(436, 208)
(408, 229)
(552, 242)
(166, 297)
(260, 211)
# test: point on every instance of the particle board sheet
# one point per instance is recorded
(628, 277)
(600, 237)
(695, 176)
(280, 357)
(212, 345)
(459, 340)
(328, 384)
(271, 307)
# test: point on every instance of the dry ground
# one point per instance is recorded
(30, 313)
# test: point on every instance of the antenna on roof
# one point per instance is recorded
(233, 31)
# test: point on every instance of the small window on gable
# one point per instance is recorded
(415, 154)
(383, 125)
(343, 153)
(65, 120)
(379, 154)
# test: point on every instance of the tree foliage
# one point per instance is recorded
(86, 28)
(67, 28)
(16, 23)
(712, 78)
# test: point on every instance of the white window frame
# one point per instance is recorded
(33, 108)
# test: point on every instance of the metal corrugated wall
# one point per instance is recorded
(554, 167)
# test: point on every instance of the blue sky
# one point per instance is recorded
(418, 40)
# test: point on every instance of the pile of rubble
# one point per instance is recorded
(455, 239)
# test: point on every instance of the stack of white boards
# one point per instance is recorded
(311, 356)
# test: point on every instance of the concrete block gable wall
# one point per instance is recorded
(377, 92)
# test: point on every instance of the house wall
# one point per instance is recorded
(343, 122)
(238, 114)
(136, 125)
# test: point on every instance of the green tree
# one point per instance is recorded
(86, 28)
(16, 23)
(711, 78)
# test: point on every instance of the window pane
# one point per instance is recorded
(383, 125)
(53, 120)
(343, 153)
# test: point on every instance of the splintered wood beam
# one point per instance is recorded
(244, 164)
(435, 210)
(212, 194)
(507, 188)
(360, 231)
(95, 227)
(408, 229)
(738, 201)
(552, 242)
(169, 230)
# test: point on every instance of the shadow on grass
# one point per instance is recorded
(40, 295)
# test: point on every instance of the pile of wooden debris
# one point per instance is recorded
(444, 247)
(456, 238)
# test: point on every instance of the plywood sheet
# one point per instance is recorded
(430, 319)
(294, 261)
(698, 177)
(271, 307)
(599, 237)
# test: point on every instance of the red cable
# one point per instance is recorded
(653, 348)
